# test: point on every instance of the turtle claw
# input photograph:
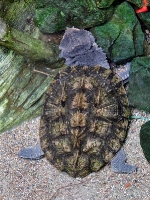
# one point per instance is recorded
(119, 165)
(33, 153)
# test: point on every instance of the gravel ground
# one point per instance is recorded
(22, 179)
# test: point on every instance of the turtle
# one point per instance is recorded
(85, 113)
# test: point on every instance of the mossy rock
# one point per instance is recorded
(138, 3)
(145, 18)
(61, 4)
(139, 83)
(145, 140)
(121, 37)
(21, 88)
(52, 16)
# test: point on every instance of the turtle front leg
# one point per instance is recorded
(119, 165)
(32, 153)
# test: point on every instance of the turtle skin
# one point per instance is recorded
(84, 120)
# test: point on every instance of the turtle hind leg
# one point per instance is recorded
(119, 165)
(32, 153)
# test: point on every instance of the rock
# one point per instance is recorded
(24, 37)
(62, 4)
(139, 82)
(3, 28)
(52, 16)
(121, 37)
(145, 18)
(145, 140)
(138, 3)
(19, 15)
(29, 47)
(21, 89)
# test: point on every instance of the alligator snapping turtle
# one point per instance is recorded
(85, 113)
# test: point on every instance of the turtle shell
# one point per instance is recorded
(84, 120)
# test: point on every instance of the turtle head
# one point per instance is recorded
(79, 48)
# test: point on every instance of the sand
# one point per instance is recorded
(22, 179)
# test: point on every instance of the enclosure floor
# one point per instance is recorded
(22, 179)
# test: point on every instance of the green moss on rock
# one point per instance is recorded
(145, 18)
(22, 90)
(50, 19)
(62, 4)
(121, 37)
(52, 16)
(139, 83)
(138, 3)
(145, 140)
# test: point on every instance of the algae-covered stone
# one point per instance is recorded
(50, 19)
(145, 140)
(138, 3)
(3, 28)
(60, 4)
(23, 37)
(139, 83)
(52, 16)
(21, 89)
(103, 3)
(121, 37)
(145, 18)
